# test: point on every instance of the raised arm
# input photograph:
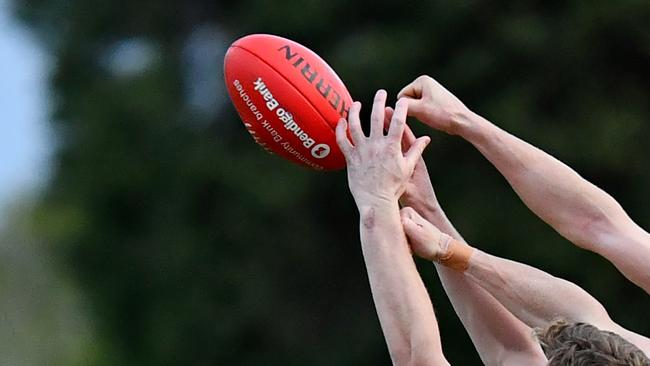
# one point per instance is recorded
(535, 297)
(377, 174)
(577, 209)
(499, 337)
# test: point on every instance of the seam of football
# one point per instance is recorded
(323, 120)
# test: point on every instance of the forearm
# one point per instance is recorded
(402, 302)
(534, 296)
(496, 333)
(433, 213)
(577, 209)
(538, 298)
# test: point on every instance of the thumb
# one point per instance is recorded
(415, 152)
(415, 107)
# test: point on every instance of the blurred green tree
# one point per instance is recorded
(195, 247)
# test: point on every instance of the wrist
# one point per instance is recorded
(373, 216)
(377, 206)
(468, 125)
(453, 253)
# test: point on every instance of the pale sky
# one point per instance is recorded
(25, 137)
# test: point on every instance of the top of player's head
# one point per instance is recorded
(581, 344)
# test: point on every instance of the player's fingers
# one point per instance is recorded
(355, 124)
(398, 121)
(388, 114)
(416, 217)
(412, 228)
(342, 138)
(377, 114)
(408, 138)
(413, 90)
(409, 227)
(406, 213)
(415, 152)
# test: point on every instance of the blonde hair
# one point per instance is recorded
(582, 344)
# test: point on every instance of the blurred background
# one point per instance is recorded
(140, 224)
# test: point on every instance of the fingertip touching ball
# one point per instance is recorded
(289, 99)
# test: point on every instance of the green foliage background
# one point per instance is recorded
(193, 246)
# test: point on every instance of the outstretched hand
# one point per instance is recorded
(435, 106)
(425, 239)
(378, 170)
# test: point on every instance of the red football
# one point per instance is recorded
(289, 99)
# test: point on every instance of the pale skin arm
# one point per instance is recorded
(499, 337)
(534, 296)
(577, 209)
(402, 302)
(377, 174)
(537, 297)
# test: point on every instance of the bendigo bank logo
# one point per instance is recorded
(318, 151)
(316, 79)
